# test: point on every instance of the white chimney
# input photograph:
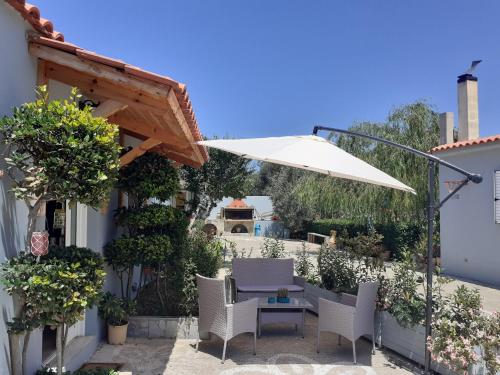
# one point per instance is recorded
(468, 115)
(445, 128)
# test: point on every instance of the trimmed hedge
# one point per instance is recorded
(398, 237)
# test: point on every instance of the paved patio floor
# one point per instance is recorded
(279, 351)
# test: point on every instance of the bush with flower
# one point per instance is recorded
(463, 335)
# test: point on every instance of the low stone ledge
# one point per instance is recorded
(163, 327)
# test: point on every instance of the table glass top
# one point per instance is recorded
(297, 303)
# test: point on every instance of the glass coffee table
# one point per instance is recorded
(293, 313)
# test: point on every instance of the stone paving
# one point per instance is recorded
(279, 351)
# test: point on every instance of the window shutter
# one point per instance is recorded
(497, 196)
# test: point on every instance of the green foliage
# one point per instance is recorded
(223, 175)
(149, 176)
(57, 289)
(303, 265)
(397, 237)
(96, 371)
(281, 184)
(459, 327)
(272, 248)
(205, 253)
(405, 298)
(115, 311)
(282, 293)
(343, 271)
(58, 151)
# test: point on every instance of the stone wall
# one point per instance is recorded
(166, 327)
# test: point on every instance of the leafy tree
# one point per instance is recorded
(55, 151)
(223, 175)
(415, 125)
(56, 290)
(154, 232)
(282, 190)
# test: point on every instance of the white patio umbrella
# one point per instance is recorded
(308, 152)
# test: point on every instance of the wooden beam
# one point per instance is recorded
(150, 131)
(101, 87)
(181, 120)
(108, 108)
(41, 76)
(98, 70)
(139, 150)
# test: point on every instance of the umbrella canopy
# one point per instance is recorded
(308, 152)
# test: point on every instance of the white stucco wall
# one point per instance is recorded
(17, 82)
(470, 239)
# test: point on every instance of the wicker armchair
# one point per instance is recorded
(352, 317)
(224, 320)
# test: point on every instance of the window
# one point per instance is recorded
(496, 189)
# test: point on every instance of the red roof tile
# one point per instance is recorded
(31, 13)
(468, 143)
(237, 203)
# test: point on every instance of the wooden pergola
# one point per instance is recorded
(153, 108)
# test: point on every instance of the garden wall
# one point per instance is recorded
(165, 327)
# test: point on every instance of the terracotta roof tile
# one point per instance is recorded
(237, 203)
(467, 143)
(31, 13)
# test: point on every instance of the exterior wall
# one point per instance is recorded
(469, 236)
(18, 79)
(230, 224)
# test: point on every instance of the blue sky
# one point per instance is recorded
(277, 67)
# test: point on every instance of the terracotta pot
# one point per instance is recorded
(117, 335)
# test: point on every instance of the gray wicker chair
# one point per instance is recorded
(352, 317)
(224, 320)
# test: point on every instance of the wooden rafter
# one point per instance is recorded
(41, 76)
(108, 108)
(139, 150)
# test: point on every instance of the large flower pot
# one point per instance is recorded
(117, 335)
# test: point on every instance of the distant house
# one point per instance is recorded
(253, 215)
(152, 111)
(470, 223)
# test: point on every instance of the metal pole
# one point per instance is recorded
(431, 207)
(430, 261)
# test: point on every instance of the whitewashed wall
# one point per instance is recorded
(470, 239)
(17, 82)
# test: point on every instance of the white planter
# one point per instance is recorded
(165, 327)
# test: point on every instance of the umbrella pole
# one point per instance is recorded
(430, 261)
(431, 207)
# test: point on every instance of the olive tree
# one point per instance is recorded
(55, 150)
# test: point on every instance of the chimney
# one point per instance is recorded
(468, 115)
(445, 128)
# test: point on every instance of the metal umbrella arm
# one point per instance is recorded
(431, 207)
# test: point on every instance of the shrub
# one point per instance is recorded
(406, 302)
(149, 176)
(273, 248)
(397, 237)
(115, 311)
(96, 371)
(205, 253)
(460, 327)
(303, 265)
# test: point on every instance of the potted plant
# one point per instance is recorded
(283, 296)
(115, 311)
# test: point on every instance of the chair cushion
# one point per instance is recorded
(269, 288)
